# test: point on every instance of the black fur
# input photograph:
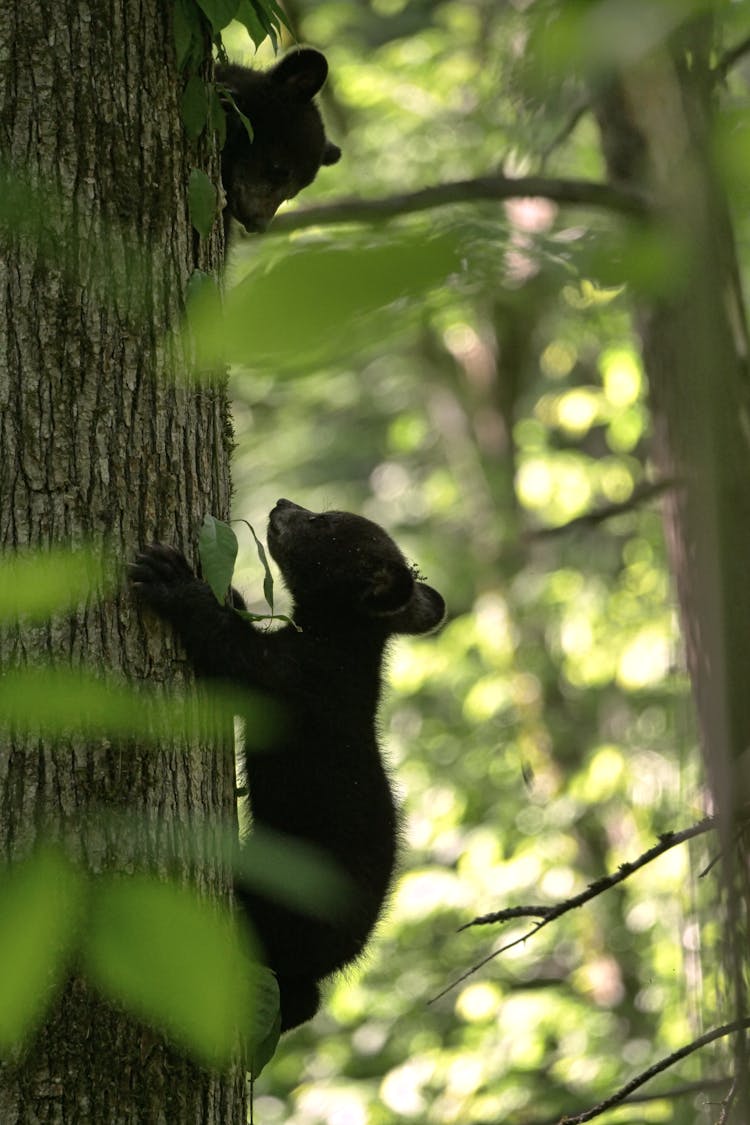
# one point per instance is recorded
(289, 142)
(325, 784)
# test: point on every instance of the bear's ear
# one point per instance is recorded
(331, 153)
(401, 603)
(302, 73)
(388, 589)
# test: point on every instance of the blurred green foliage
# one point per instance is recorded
(546, 735)
(151, 946)
(171, 959)
(469, 379)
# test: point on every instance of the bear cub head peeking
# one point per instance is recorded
(323, 783)
(289, 143)
(345, 572)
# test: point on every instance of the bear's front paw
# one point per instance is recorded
(157, 574)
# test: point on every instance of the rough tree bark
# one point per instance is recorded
(101, 440)
(656, 121)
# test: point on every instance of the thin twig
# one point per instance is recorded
(741, 828)
(726, 1104)
(620, 1095)
(580, 193)
(684, 1090)
(564, 131)
(731, 57)
(550, 913)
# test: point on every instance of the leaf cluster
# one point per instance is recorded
(150, 946)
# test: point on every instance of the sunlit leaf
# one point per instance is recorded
(174, 961)
(41, 900)
(267, 576)
(267, 21)
(319, 300)
(248, 17)
(276, 13)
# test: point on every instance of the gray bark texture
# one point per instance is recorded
(102, 440)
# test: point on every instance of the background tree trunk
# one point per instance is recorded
(656, 122)
(101, 440)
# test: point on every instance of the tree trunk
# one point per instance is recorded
(102, 441)
(656, 124)
(695, 353)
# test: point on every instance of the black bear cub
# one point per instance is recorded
(324, 782)
(289, 143)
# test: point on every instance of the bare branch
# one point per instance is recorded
(565, 130)
(549, 913)
(643, 492)
(620, 1095)
(579, 193)
(731, 57)
(684, 1090)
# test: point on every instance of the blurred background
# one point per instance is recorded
(467, 376)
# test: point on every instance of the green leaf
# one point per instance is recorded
(219, 12)
(34, 585)
(247, 616)
(277, 14)
(267, 576)
(246, 15)
(318, 302)
(294, 873)
(227, 95)
(195, 106)
(267, 1020)
(217, 547)
(188, 33)
(174, 961)
(202, 202)
(201, 287)
(58, 699)
(61, 701)
(41, 902)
